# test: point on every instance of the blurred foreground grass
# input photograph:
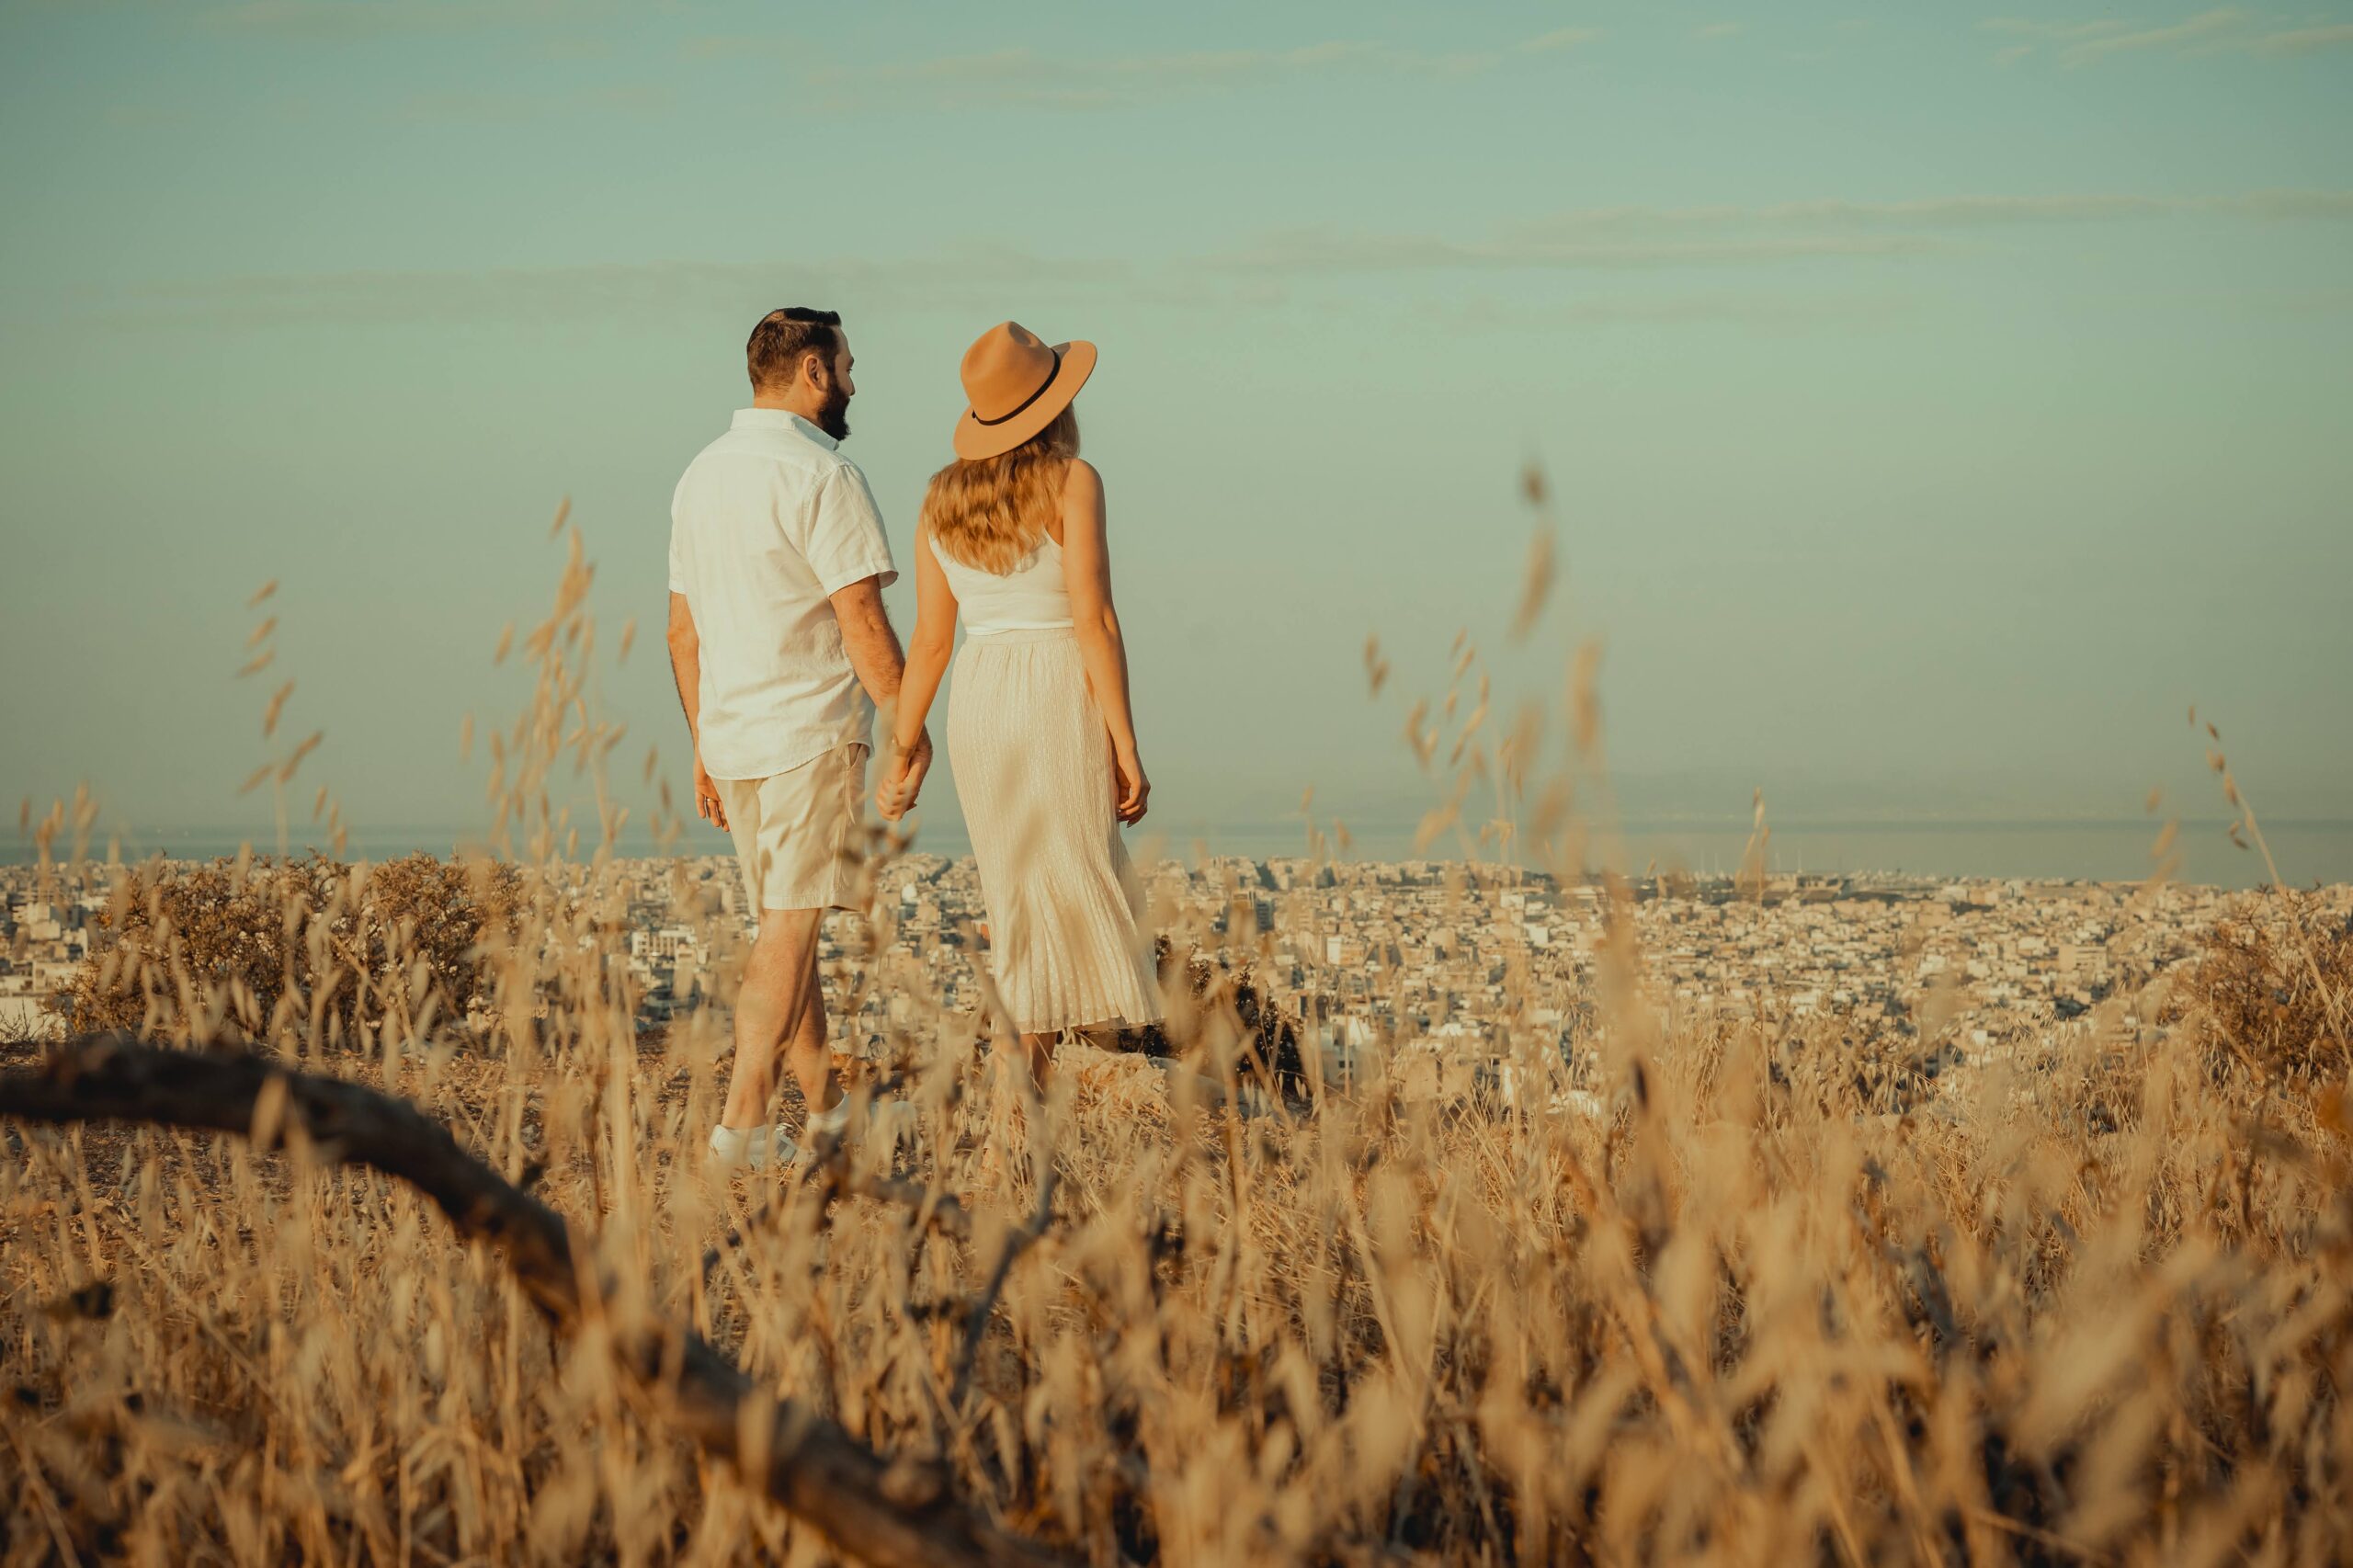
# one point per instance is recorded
(1722, 1298)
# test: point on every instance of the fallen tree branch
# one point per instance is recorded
(893, 1513)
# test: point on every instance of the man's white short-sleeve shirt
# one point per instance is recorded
(768, 522)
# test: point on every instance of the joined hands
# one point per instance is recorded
(894, 796)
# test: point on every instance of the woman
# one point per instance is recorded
(1041, 739)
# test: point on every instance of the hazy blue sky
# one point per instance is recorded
(1938, 399)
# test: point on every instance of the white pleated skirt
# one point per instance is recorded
(1032, 760)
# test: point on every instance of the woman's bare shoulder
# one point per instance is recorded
(1082, 491)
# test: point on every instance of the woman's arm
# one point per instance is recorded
(1086, 571)
(928, 647)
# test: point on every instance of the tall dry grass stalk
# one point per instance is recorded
(1766, 1304)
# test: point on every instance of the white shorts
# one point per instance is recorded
(795, 831)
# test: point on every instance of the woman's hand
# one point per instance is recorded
(707, 802)
(1130, 787)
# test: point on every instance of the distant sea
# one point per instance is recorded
(2307, 851)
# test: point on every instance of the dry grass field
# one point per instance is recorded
(1765, 1307)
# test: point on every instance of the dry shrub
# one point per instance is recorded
(2272, 994)
(1258, 1040)
(263, 950)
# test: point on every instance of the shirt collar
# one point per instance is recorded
(781, 419)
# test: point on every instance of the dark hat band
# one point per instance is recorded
(1024, 405)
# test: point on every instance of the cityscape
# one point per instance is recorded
(1441, 960)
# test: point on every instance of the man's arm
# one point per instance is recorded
(869, 640)
(685, 668)
(874, 652)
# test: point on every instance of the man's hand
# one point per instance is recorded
(902, 779)
(708, 805)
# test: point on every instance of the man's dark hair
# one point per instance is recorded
(773, 355)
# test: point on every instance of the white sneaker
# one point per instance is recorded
(755, 1148)
(745, 1149)
(834, 1123)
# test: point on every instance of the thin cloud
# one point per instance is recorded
(2053, 32)
(521, 107)
(2202, 29)
(2224, 30)
(1024, 78)
(1658, 237)
(978, 275)
(2305, 40)
(1623, 239)
(334, 20)
(1559, 37)
(1487, 314)
(1317, 250)
(1949, 213)
(1714, 31)
(2284, 204)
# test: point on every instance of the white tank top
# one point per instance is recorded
(1030, 597)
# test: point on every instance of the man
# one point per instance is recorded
(778, 563)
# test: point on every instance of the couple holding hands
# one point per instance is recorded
(782, 649)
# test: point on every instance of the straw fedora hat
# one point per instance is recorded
(1015, 386)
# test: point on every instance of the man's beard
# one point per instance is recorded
(832, 417)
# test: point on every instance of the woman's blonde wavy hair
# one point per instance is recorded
(990, 513)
